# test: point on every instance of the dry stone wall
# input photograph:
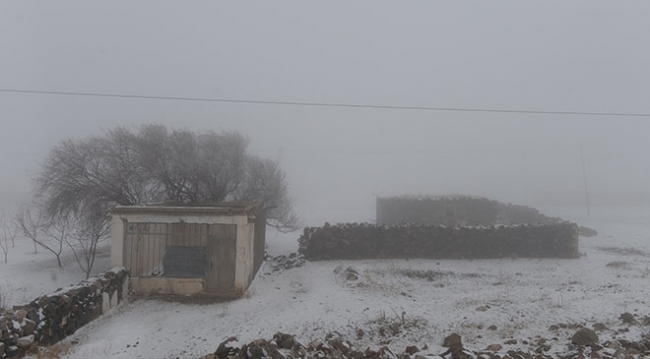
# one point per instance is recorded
(51, 318)
(460, 210)
(456, 210)
(370, 241)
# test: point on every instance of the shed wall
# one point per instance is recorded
(163, 230)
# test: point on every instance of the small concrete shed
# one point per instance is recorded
(209, 251)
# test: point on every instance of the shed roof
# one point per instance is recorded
(221, 209)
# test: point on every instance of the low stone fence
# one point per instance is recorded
(370, 241)
(51, 318)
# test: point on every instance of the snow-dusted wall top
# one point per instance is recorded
(456, 210)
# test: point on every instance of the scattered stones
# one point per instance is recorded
(21, 314)
(282, 262)
(492, 327)
(482, 308)
(585, 337)
(587, 232)
(285, 341)
(223, 351)
(350, 274)
(455, 345)
(410, 350)
(628, 318)
(25, 342)
(494, 347)
(646, 320)
(334, 346)
(453, 340)
(28, 326)
(599, 327)
(12, 351)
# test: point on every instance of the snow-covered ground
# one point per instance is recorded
(412, 302)
(29, 274)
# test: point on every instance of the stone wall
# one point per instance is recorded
(456, 211)
(370, 241)
(516, 214)
(50, 318)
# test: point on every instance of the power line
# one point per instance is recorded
(326, 104)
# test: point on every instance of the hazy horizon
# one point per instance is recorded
(583, 56)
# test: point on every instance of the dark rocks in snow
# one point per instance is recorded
(412, 349)
(599, 327)
(256, 352)
(25, 342)
(12, 351)
(585, 337)
(587, 232)
(333, 346)
(282, 262)
(628, 318)
(285, 341)
(223, 350)
(28, 326)
(453, 340)
(20, 313)
(455, 345)
(349, 274)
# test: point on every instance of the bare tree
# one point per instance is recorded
(48, 233)
(78, 174)
(265, 182)
(192, 168)
(89, 230)
(8, 233)
(156, 165)
(4, 244)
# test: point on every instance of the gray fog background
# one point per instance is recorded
(584, 56)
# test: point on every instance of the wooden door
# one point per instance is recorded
(222, 254)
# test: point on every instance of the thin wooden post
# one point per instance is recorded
(584, 176)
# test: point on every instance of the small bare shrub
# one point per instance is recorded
(400, 325)
(8, 234)
(618, 264)
(4, 300)
(624, 251)
(57, 350)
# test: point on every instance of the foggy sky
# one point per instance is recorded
(589, 56)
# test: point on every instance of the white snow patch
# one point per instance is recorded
(521, 297)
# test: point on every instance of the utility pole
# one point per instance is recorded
(584, 176)
(280, 151)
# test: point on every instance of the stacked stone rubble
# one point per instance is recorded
(51, 318)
